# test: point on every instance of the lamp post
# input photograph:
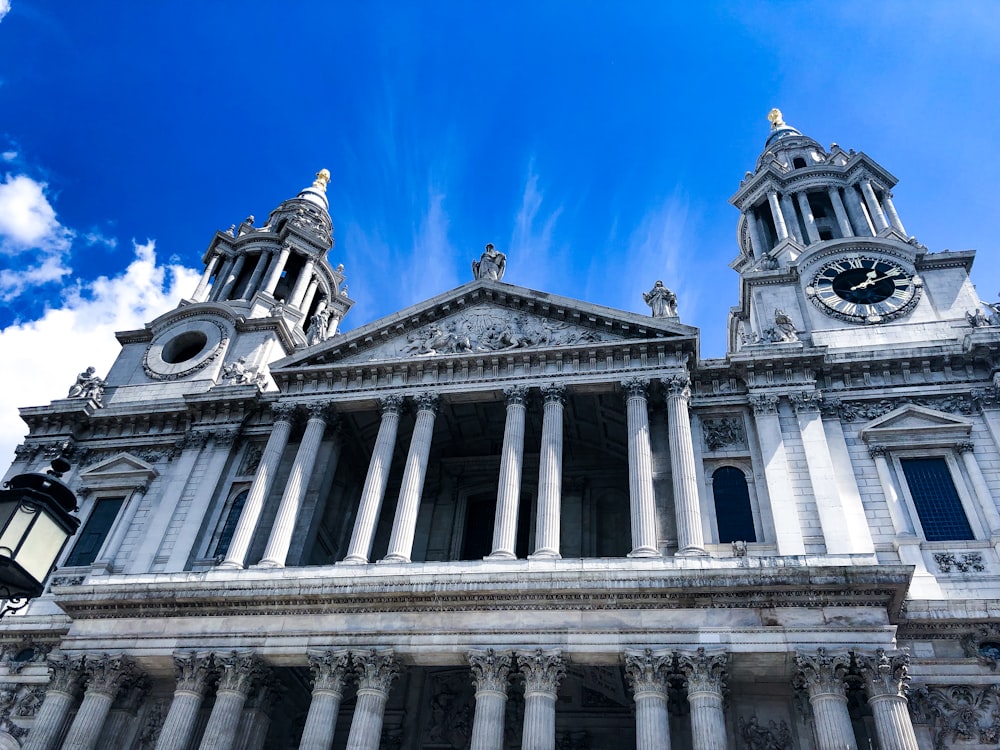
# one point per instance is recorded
(35, 524)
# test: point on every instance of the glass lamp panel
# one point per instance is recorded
(15, 529)
(39, 550)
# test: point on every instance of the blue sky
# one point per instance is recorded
(596, 143)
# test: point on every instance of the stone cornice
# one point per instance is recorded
(430, 587)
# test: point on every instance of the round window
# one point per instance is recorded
(183, 347)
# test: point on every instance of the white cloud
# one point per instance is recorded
(8, 155)
(531, 241)
(43, 357)
(4, 8)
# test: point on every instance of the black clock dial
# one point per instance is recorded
(864, 289)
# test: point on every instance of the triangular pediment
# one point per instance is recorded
(121, 470)
(911, 424)
(485, 317)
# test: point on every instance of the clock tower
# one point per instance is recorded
(825, 260)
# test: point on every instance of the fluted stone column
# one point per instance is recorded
(260, 487)
(509, 488)
(822, 676)
(296, 485)
(756, 243)
(239, 673)
(690, 534)
(642, 502)
(232, 276)
(331, 327)
(119, 725)
(263, 259)
(307, 300)
(779, 220)
(375, 482)
(490, 673)
(60, 695)
(886, 676)
(104, 675)
(199, 293)
(550, 474)
(854, 202)
(222, 276)
(840, 212)
(647, 672)
(329, 670)
(807, 217)
(874, 208)
(706, 675)
(193, 672)
(377, 670)
(405, 523)
(543, 671)
(890, 211)
(277, 266)
(791, 219)
(302, 283)
(256, 719)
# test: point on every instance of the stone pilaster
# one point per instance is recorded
(375, 482)
(690, 535)
(63, 688)
(550, 474)
(239, 673)
(296, 486)
(886, 675)
(706, 675)
(642, 502)
(787, 527)
(490, 673)
(509, 488)
(377, 670)
(822, 677)
(260, 487)
(104, 675)
(193, 674)
(405, 523)
(329, 671)
(647, 672)
(543, 671)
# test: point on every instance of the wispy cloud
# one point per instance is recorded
(4, 8)
(531, 242)
(42, 357)
(432, 259)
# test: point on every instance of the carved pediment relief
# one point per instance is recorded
(121, 471)
(911, 425)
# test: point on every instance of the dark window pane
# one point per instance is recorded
(226, 537)
(936, 500)
(732, 506)
(480, 513)
(89, 541)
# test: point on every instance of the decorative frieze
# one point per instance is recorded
(958, 714)
(863, 411)
(16, 655)
(964, 562)
(723, 432)
(775, 736)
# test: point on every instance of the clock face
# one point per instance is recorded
(862, 289)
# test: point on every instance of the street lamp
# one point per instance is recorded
(35, 524)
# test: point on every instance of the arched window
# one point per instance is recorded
(732, 506)
(229, 528)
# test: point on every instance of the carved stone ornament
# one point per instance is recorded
(662, 302)
(554, 393)
(88, 386)
(763, 403)
(238, 672)
(986, 398)
(390, 404)
(491, 264)
(822, 673)
(237, 373)
(636, 388)
(283, 412)
(490, 670)
(542, 670)
(329, 670)
(965, 562)
(721, 433)
(251, 459)
(775, 736)
(885, 673)
(516, 394)
(864, 411)
(376, 670)
(677, 386)
(958, 714)
(983, 644)
(648, 671)
(705, 672)
(65, 674)
(427, 402)
(806, 401)
(149, 733)
(193, 671)
(16, 655)
(106, 673)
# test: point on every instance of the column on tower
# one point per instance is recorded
(60, 695)
(874, 208)
(239, 673)
(753, 227)
(648, 673)
(890, 211)
(193, 673)
(642, 503)
(706, 675)
(407, 507)
(840, 212)
(822, 677)
(376, 480)
(302, 283)
(854, 202)
(690, 534)
(377, 670)
(807, 216)
(104, 676)
(550, 474)
(277, 266)
(490, 673)
(779, 220)
(263, 260)
(329, 672)
(276, 553)
(201, 292)
(308, 299)
(886, 675)
(791, 218)
(509, 487)
(260, 487)
(234, 273)
(543, 671)
(220, 278)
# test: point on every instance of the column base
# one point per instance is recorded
(691, 552)
(228, 564)
(503, 555)
(353, 560)
(268, 564)
(545, 555)
(389, 559)
(644, 552)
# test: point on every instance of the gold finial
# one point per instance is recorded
(322, 179)
(775, 117)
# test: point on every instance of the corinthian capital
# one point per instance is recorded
(542, 670)
(516, 394)
(390, 404)
(677, 386)
(886, 673)
(377, 670)
(764, 403)
(490, 670)
(427, 402)
(329, 670)
(647, 670)
(238, 671)
(283, 412)
(193, 671)
(705, 672)
(822, 673)
(635, 387)
(805, 401)
(554, 393)
(65, 674)
(106, 673)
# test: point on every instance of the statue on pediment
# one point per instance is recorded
(661, 301)
(88, 386)
(491, 264)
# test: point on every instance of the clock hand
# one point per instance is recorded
(867, 282)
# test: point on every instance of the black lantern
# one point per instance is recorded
(35, 524)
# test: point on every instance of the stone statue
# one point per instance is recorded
(237, 373)
(317, 326)
(491, 264)
(784, 326)
(661, 300)
(977, 318)
(994, 312)
(776, 119)
(88, 385)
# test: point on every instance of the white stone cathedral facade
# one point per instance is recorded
(501, 518)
